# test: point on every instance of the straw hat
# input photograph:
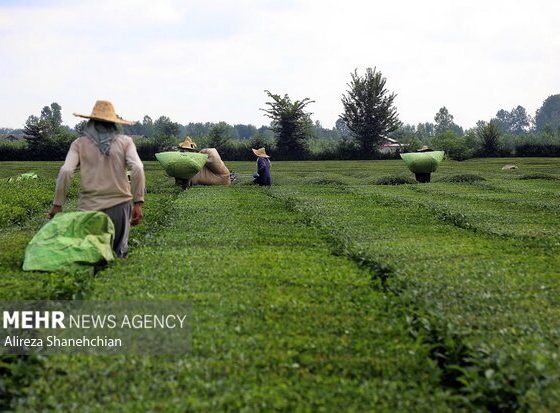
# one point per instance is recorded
(261, 153)
(187, 143)
(104, 111)
(425, 149)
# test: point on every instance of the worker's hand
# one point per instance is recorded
(54, 210)
(137, 214)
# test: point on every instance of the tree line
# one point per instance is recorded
(368, 117)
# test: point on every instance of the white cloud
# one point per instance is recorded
(211, 60)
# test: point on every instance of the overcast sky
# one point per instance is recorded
(204, 60)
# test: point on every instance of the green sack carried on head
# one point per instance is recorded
(70, 242)
(182, 165)
(423, 162)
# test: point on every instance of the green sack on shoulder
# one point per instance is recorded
(423, 162)
(70, 242)
(182, 165)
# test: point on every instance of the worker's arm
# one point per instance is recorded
(137, 182)
(65, 178)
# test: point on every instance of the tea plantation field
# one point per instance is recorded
(327, 292)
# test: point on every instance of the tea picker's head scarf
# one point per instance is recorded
(102, 134)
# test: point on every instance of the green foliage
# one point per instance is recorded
(368, 109)
(489, 136)
(444, 122)
(164, 143)
(219, 136)
(244, 131)
(19, 201)
(46, 136)
(454, 146)
(47, 125)
(291, 125)
(348, 296)
(259, 141)
(394, 180)
(547, 118)
(462, 178)
(515, 122)
(546, 177)
(163, 126)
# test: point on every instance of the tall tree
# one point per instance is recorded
(163, 126)
(291, 124)
(444, 122)
(46, 134)
(245, 131)
(198, 129)
(548, 115)
(45, 126)
(489, 136)
(219, 136)
(368, 109)
(520, 121)
(425, 131)
(515, 122)
(147, 126)
(342, 128)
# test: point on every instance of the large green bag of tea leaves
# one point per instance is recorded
(23, 177)
(423, 162)
(70, 242)
(182, 165)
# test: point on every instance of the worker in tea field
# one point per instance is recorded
(214, 172)
(262, 177)
(187, 145)
(102, 154)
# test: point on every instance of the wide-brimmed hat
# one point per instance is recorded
(261, 153)
(187, 143)
(425, 149)
(105, 111)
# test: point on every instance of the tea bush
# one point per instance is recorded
(323, 293)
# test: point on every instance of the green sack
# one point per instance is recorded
(182, 165)
(24, 177)
(70, 242)
(423, 162)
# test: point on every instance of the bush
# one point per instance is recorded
(530, 149)
(462, 178)
(13, 151)
(454, 146)
(539, 176)
(394, 180)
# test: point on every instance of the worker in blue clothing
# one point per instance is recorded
(262, 177)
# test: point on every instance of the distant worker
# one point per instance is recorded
(187, 145)
(262, 177)
(424, 177)
(103, 154)
(214, 172)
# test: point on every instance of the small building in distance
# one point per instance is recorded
(391, 146)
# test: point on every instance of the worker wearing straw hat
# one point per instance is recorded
(262, 177)
(103, 154)
(214, 172)
(188, 145)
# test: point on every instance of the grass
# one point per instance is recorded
(325, 292)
